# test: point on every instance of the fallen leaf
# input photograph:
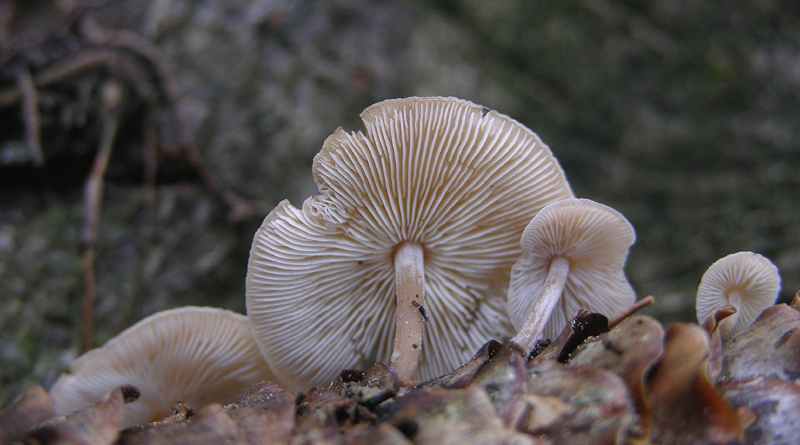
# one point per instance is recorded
(628, 350)
(34, 406)
(774, 402)
(96, 424)
(435, 415)
(462, 376)
(770, 347)
(503, 377)
(577, 404)
(683, 405)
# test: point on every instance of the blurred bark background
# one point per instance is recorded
(681, 115)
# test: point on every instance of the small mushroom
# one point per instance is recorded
(194, 355)
(573, 253)
(413, 234)
(747, 281)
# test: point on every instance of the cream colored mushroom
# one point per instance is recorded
(194, 355)
(573, 254)
(417, 219)
(746, 280)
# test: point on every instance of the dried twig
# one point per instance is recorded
(635, 307)
(93, 196)
(81, 47)
(124, 39)
(30, 114)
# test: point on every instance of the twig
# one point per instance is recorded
(86, 61)
(644, 302)
(30, 115)
(124, 39)
(95, 58)
(150, 156)
(93, 195)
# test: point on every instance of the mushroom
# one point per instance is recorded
(416, 224)
(195, 355)
(573, 253)
(746, 280)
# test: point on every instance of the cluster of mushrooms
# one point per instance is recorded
(443, 229)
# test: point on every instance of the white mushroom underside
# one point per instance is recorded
(360, 308)
(195, 355)
(752, 276)
(596, 245)
(440, 172)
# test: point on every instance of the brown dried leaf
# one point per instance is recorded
(384, 434)
(462, 376)
(503, 377)
(795, 303)
(683, 405)
(711, 325)
(345, 378)
(266, 414)
(437, 415)
(211, 424)
(177, 413)
(770, 347)
(323, 412)
(577, 404)
(368, 389)
(628, 351)
(33, 407)
(150, 432)
(96, 424)
(775, 404)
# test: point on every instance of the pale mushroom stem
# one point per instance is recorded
(543, 306)
(410, 321)
(727, 324)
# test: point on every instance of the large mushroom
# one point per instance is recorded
(417, 223)
(745, 280)
(573, 254)
(195, 355)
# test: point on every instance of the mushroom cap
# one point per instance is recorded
(754, 276)
(194, 355)
(595, 239)
(459, 179)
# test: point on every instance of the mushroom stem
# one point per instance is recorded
(727, 324)
(410, 322)
(543, 305)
